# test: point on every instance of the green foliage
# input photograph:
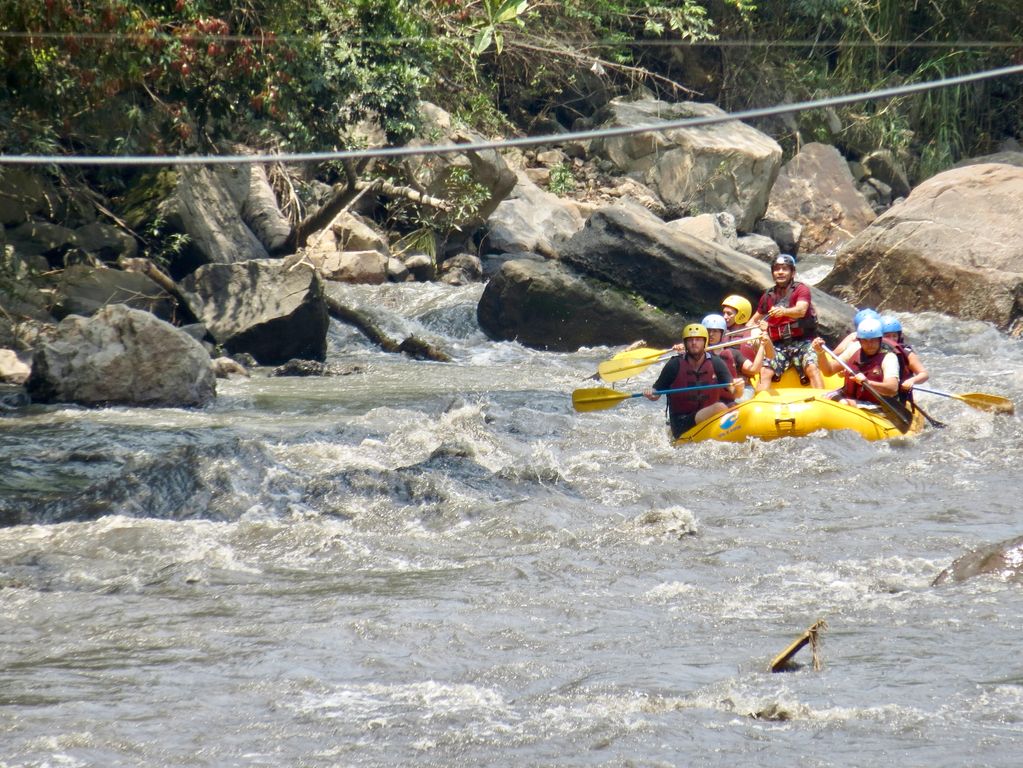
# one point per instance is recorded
(496, 13)
(562, 180)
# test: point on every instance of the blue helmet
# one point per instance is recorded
(869, 328)
(784, 258)
(714, 323)
(890, 324)
(863, 314)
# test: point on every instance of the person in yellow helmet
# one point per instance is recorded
(695, 368)
(737, 311)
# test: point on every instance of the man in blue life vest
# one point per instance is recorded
(874, 364)
(696, 368)
(786, 314)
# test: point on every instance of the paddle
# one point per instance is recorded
(894, 410)
(979, 400)
(618, 369)
(602, 398)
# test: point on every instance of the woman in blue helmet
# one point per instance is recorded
(911, 368)
(859, 317)
(873, 363)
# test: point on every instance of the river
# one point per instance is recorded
(440, 564)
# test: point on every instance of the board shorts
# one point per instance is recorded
(797, 353)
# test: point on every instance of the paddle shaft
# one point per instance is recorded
(901, 420)
(612, 368)
(979, 400)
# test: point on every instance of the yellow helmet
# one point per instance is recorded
(693, 331)
(743, 309)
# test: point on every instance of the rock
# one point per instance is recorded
(106, 242)
(630, 190)
(816, 189)
(551, 157)
(882, 165)
(421, 266)
(272, 309)
(397, 272)
(13, 396)
(353, 232)
(724, 167)
(548, 305)
(531, 219)
(261, 213)
(784, 232)
(204, 204)
(12, 369)
(83, 290)
(952, 246)
(1003, 560)
(760, 247)
(121, 356)
(367, 267)
(492, 262)
(24, 194)
(461, 269)
(713, 227)
(41, 238)
(225, 367)
(1005, 157)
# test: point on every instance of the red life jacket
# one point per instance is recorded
(690, 402)
(869, 366)
(748, 350)
(728, 355)
(785, 328)
(902, 353)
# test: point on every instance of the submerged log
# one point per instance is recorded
(413, 346)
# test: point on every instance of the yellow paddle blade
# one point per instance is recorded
(639, 353)
(616, 370)
(597, 398)
(985, 402)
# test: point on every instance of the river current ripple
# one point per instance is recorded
(444, 565)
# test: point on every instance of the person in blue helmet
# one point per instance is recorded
(785, 312)
(911, 368)
(873, 363)
(859, 317)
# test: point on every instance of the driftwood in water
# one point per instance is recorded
(413, 346)
(811, 636)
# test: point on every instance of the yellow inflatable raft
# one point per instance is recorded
(792, 410)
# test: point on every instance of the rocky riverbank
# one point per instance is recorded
(132, 297)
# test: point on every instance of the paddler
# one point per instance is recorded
(695, 368)
(785, 312)
(872, 361)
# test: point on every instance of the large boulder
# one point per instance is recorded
(208, 205)
(271, 309)
(82, 290)
(531, 219)
(816, 190)
(631, 248)
(121, 356)
(1003, 560)
(728, 166)
(548, 305)
(955, 245)
(24, 194)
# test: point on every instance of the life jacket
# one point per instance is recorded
(730, 359)
(869, 366)
(902, 353)
(691, 402)
(784, 328)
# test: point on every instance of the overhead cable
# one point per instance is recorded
(524, 141)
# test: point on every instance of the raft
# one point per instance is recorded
(792, 410)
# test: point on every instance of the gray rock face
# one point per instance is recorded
(272, 309)
(952, 246)
(547, 305)
(816, 189)
(82, 290)
(724, 167)
(531, 219)
(121, 356)
(1003, 560)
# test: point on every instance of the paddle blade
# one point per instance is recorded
(640, 353)
(597, 399)
(616, 370)
(985, 402)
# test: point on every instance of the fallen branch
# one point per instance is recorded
(413, 346)
(812, 636)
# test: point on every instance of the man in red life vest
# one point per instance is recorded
(872, 361)
(786, 314)
(696, 368)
